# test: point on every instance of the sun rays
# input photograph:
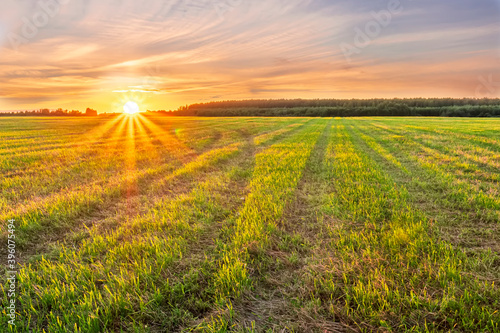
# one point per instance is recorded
(132, 132)
(171, 142)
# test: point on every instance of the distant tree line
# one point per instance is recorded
(443, 107)
(288, 103)
(48, 113)
(425, 107)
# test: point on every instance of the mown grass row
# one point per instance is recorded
(123, 279)
(90, 161)
(187, 245)
(277, 172)
(389, 269)
(482, 133)
(465, 223)
(467, 156)
(466, 192)
(65, 205)
(60, 210)
(117, 278)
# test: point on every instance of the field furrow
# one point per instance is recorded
(277, 172)
(466, 192)
(182, 224)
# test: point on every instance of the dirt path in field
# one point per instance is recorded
(274, 304)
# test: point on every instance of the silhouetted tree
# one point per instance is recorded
(91, 112)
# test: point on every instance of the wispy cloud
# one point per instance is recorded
(91, 53)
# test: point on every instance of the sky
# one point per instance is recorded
(162, 54)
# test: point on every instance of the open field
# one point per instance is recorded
(159, 224)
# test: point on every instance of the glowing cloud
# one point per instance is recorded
(170, 53)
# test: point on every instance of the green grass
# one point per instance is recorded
(167, 224)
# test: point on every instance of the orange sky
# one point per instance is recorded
(163, 54)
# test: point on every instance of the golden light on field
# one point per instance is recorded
(131, 134)
(131, 108)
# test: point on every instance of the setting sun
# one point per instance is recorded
(131, 108)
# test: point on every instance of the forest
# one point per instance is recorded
(444, 107)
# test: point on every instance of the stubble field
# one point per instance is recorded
(158, 224)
